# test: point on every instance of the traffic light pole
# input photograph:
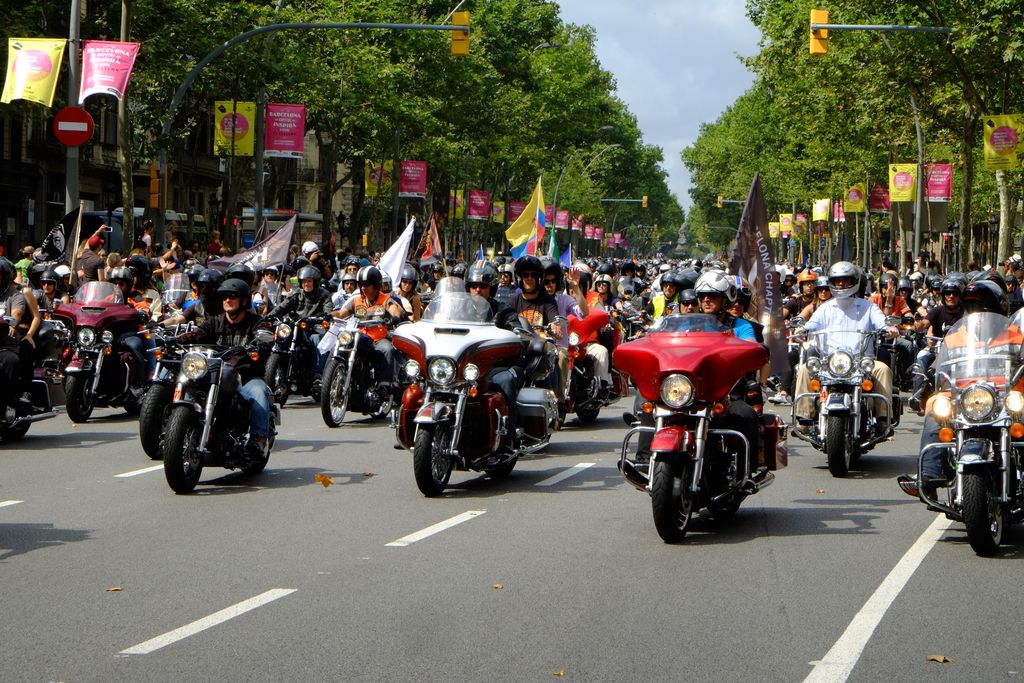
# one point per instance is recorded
(179, 94)
(71, 162)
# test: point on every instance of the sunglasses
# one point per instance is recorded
(225, 297)
(532, 276)
(550, 281)
(708, 296)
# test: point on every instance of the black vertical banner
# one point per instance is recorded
(752, 259)
(54, 249)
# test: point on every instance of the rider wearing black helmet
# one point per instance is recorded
(1014, 300)
(407, 290)
(369, 303)
(308, 301)
(938, 321)
(236, 325)
(532, 302)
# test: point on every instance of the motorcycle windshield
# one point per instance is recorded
(690, 322)
(99, 293)
(458, 307)
(854, 342)
(176, 290)
(980, 347)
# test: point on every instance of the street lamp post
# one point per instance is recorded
(554, 200)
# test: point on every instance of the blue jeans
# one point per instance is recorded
(257, 393)
(931, 468)
(318, 357)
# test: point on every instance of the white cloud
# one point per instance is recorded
(675, 65)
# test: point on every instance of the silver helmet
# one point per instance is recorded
(716, 282)
(844, 270)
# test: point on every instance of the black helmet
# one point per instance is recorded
(350, 260)
(459, 270)
(606, 268)
(984, 296)
(34, 273)
(141, 269)
(209, 279)
(933, 282)
(236, 287)
(552, 267)
(310, 273)
(241, 271)
(951, 285)
(193, 271)
(1010, 277)
(482, 273)
(369, 275)
(674, 278)
(528, 264)
(886, 279)
(7, 273)
(686, 278)
(905, 285)
(121, 274)
(49, 275)
(409, 273)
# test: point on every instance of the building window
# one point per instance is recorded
(110, 127)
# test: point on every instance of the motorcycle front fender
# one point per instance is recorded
(78, 366)
(836, 404)
(190, 403)
(434, 413)
(673, 439)
(975, 453)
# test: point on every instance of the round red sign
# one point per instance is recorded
(73, 126)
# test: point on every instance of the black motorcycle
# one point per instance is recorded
(160, 393)
(350, 380)
(290, 366)
(208, 421)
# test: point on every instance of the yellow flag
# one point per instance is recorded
(820, 210)
(33, 65)
(378, 177)
(524, 234)
(855, 197)
(456, 207)
(1003, 148)
(773, 230)
(902, 182)
(234, 128)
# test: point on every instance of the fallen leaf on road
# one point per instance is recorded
(498, 586)
(941, 659)
(324, 479)
(367, 475)
(819, 490)
(560, 673)
(114, 589)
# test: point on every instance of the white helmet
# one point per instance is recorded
(309, 247)
(716, 282)
(847, 271)
(62, 270)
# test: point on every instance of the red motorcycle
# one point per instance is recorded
(583, 393)
(688, 368)
(99, 374)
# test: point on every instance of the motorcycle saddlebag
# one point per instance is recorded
(775, 455)
(537, 409)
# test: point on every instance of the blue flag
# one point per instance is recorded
(566, 258)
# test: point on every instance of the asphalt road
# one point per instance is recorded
(555, 573)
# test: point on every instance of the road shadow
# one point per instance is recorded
(482, 486)
(18, 539)
(274, 478)
(71, 438)
(878, 466)
(311, 446)
(1012, 547)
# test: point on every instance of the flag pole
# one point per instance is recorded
(78, 233)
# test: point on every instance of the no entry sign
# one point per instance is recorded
(73, 126)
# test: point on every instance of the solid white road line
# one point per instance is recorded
(135, 473)
(436, 528)
(565, 474)
(838, 663)
(8, 503)
(206, 622)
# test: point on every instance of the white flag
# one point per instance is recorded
(393, 259)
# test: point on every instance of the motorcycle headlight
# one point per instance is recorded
(107, 337)
(840, 363)
(86, 336)
(412, 369)
(813, 365)
(676, 391)
(344, 338)
(194, 365)
(978, 402)
(574, 339)
(284, 330)
(942, 407)
(470, 373)
(867, 365)
(1014, 402)
(441, 370)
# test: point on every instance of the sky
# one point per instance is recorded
(675, 64)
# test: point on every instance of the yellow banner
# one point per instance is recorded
(856, 197)
(378, 178)
(773, 230)
(786, 222)
(234, 128)
(1003, 148)
(820, 212)
(497, 212)
(902, 182)
(456, 207)
(33, 65)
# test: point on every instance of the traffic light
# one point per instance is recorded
(819, 38)
(720, 202)
(643, 202)
(460, 39)
(154, 187)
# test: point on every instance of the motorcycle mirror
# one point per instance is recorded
(892, 321)
(264, 336)
(630, 419)
(796, 321)
(1017, 375)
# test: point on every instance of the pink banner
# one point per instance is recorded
(940, 182)
(577, 223)
(562, 219)
(549, 213)
(479, 207)
(878, 199)
(838, 215)
(412, 179)
(285, 131)
(515, 210)
(106, 67)
(599, 232)
(588, 232)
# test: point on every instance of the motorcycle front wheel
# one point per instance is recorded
(182, 461)
(671, 500)
(334, 390)
(835, 446)
(983, 515)
(276, 377)
(79, 400)
(431, 466)
(151, 418)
